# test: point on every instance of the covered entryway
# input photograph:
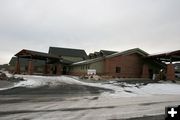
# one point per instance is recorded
(168, 58)
(34, 55)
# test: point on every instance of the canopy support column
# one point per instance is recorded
(30, 67)
(46, 68)
(58, 71)
(17, 67)
(170, 74)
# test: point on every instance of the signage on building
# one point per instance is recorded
(91, 71)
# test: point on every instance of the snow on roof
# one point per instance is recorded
(88, 61)
(165, 53)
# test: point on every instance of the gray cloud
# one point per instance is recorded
(152, 25)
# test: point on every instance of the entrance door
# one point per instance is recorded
(150, 73)
(64, 70)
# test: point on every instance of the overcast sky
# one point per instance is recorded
(152, 25)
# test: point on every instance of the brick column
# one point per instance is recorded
(145, 71)
(17, 67)
(58, 69)
(170, 74)
(30, 67)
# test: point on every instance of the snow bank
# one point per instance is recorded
(164, 88)
(146, 90)
(120, 89)
(37, 81)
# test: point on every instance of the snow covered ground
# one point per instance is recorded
(121, 89)
(117, 100)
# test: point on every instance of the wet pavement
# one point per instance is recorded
(87, 107)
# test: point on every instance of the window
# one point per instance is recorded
(118, 69)
(87, 66)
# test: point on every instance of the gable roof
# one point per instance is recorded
(101, 53)
(169, 53)
(167, 56)
(35, 54)
(127, 52)
(67, 52)
(130, 51)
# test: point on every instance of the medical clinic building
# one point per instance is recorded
(132, 63)
(128, 64)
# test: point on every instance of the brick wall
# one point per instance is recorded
(78, 73)
(131, 66)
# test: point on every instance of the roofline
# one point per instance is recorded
(108, 51)
(82, 52)
(88, 61)
(30, 50)
(43, 54)
(130, 51)
(164, 53)
(66, 48)
(127, 52)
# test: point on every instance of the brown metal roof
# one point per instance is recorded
(36, 55)
(167, 56)
(67, 52)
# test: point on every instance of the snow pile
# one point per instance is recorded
(7, 73)
(120, 89)
(33, 81)
(164, 88)
(133, 90)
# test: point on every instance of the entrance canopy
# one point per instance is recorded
(29, 54)
(36, 55)
(172, 56)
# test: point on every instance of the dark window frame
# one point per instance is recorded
(118, 69)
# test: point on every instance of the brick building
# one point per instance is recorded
(133, 63)
(127, 64)
(55, 62)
